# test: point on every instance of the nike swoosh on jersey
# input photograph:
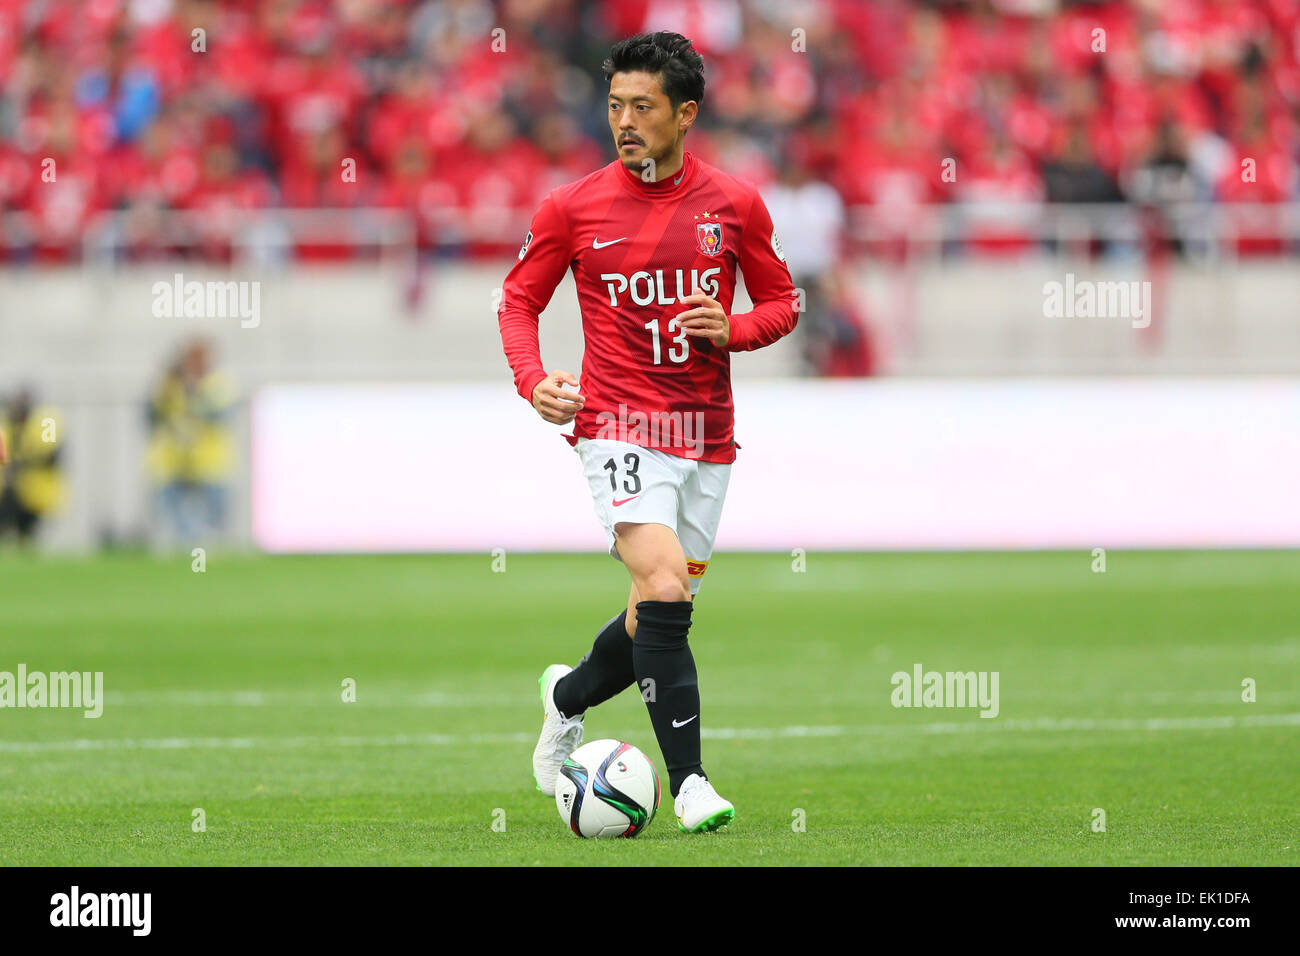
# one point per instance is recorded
(597, 244)
(684, 722)
(626, 500)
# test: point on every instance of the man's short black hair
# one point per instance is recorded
(680, 68)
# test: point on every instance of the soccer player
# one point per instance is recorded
(654, 241)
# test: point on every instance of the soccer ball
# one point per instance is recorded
(607, 788)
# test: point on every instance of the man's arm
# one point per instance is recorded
(527, 291)
(767, 279)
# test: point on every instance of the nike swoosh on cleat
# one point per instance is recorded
(597, 244)
(684, 722)
(625, 501)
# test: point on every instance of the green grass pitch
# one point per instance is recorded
(1119, 691)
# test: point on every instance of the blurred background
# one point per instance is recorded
(350, 182)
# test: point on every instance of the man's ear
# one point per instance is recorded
(687, 113)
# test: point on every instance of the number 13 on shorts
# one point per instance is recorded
(639, 485)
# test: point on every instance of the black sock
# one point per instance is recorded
(604, 672)
(660, 654)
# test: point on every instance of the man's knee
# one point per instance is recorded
(665, 585)
(629, 621)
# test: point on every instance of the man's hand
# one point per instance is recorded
(553, 403)
(4, 455)
(707, 319)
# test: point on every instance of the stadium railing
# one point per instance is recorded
(1202, 231)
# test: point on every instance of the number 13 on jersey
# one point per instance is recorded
(679, 348)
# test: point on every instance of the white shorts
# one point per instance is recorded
(647, 486)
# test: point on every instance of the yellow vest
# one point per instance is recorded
(37, 483)
(188, 442)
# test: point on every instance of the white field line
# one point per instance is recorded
(975, 725)
(435, 699)
(300, 698)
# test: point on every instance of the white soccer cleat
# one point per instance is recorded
(560, 735)
(699, 808)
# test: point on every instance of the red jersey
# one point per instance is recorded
(635, 249)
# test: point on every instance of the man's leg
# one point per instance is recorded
(661, 657)
(605, 671)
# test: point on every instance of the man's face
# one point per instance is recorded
(644, 124)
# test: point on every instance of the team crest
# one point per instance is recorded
(708, 236)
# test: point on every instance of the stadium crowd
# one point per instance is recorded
(468, 111)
